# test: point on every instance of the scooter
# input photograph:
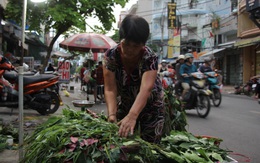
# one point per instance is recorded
(198, 95)
(246, 89)
(40, 92)
(212, 82)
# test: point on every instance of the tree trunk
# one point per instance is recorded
(50, 47)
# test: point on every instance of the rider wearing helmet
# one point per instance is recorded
(163, 66)
(185, 70)
(206, 66)
(179, 61)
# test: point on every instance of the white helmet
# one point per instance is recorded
(181, 57)
(164, 61)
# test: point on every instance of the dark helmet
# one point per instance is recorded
(188, 55)
(207, 60)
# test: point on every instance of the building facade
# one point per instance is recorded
(225, 29)
(248, 32)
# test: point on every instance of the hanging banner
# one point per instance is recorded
(170, 48)
(171, 15)
(176, 42)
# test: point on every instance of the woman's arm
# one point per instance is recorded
(146, 88)
(128, 123)
(110, 92)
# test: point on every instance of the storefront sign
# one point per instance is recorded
(64, 71)
(171, 15)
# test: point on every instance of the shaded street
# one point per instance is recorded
(236, 121)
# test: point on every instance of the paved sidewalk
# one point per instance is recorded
(33, 117)
(228, 89)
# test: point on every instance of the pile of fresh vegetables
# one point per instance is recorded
(87, 137)
(5, 130)
(175, 116)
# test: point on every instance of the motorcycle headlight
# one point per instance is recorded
(198, 83)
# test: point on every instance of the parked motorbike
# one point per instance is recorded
(256, 86)
(198, 95)
(40, 92)
(246, 89)
(212, 83)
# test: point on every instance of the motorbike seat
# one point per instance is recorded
(10, 75)
(35, 79)
(13, 76)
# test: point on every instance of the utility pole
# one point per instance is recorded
(172, 29)
(162, 33)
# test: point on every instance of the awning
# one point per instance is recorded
(57, 54)
(247, 42)
(211, 53)
(61, 54)
(227, 44)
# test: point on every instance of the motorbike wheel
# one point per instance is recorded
(203, 106)
(216, 97)
(55, 104)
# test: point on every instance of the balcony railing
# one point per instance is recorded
(246, 27)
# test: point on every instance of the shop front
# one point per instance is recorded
(250, 49)
(229, 64)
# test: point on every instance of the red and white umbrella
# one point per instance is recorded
(84, 42)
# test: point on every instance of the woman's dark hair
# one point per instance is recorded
(134, 28)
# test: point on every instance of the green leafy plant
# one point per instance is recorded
(5, 130)
(175, 117)
(88, 137)
(3, 144)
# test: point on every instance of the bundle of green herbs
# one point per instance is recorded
(175, 116)
(7, 129)
(86, 137)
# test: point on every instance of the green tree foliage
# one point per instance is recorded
(62, 15)
(115, 37)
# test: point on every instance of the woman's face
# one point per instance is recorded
(130, 49)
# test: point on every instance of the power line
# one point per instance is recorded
(180, 6)
(196, 33)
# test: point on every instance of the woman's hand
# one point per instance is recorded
(127, 125)
(112, 118)
(185, 75)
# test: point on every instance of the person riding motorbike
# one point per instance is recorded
(206, 67)
(178, 87)
(163, 66)
(185, 70)
(257, 88)
(164, 74)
